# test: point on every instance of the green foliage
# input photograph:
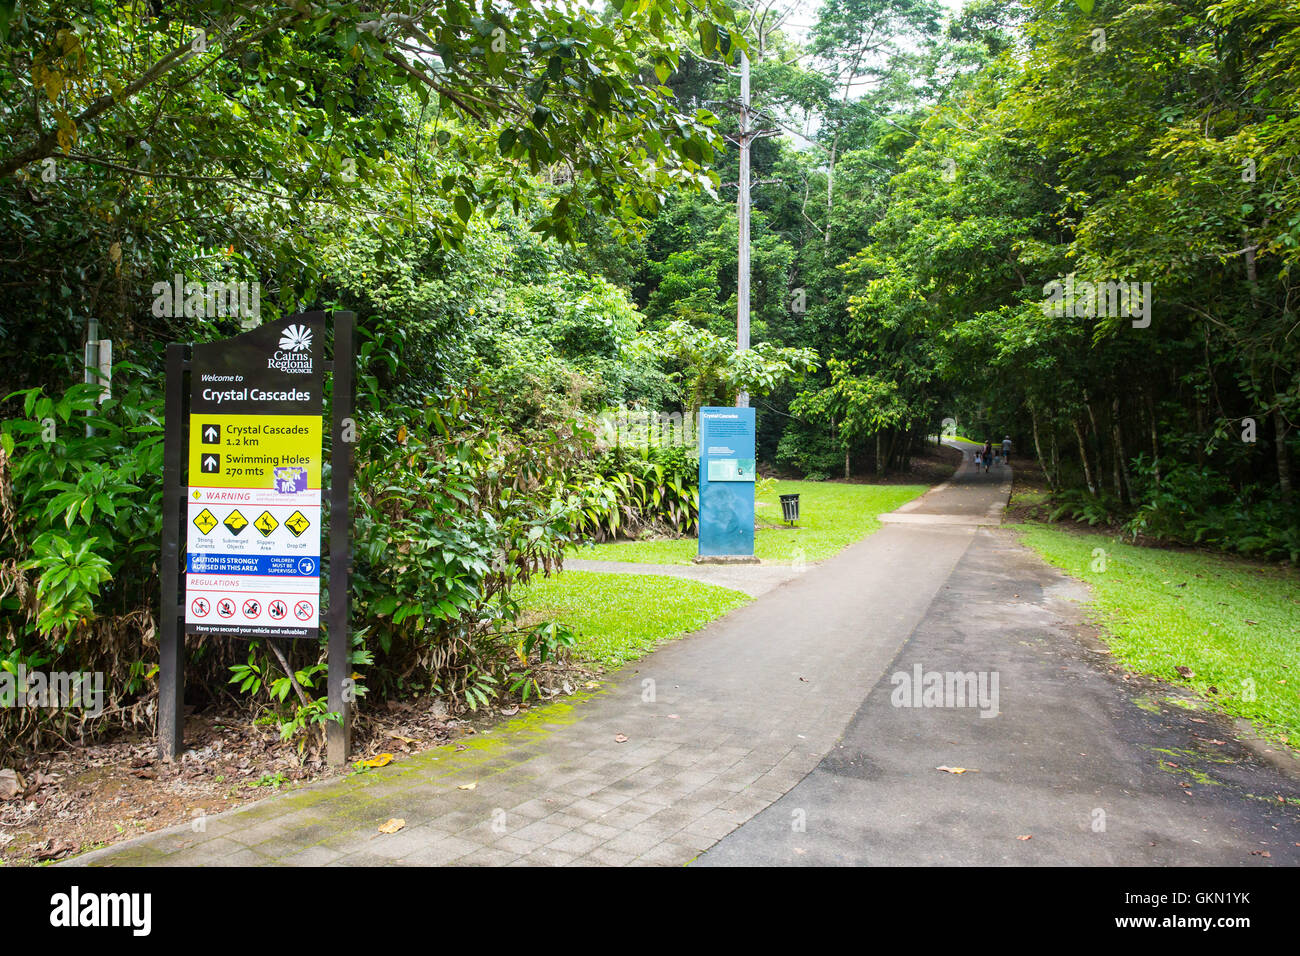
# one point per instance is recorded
(813, 452)
(1153, 157)
(452, 514)
(81, 519)
(629, 492)
(1198, 505)
(219, 138)
(713, 372)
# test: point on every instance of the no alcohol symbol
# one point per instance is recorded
(277, 610)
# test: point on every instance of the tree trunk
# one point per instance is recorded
(1038, 447)
(1056, 462)
(1083, 456)
(1155, 437)
(1122, 480)
(1283, 458)
(880, 463)
(830, 190)
(1096, 433)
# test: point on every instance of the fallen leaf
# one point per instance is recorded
(673, 717)
(1186, 673)
(591, 685)
(53, 849)
(378, 760)
(1027, 836)
(509, 711)
(1262, 852)
(11, 784)
(467, 786)
(620, 738)
(393, 825)
(957, 769)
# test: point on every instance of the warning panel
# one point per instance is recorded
(253, 535)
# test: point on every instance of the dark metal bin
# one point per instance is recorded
(790, 508)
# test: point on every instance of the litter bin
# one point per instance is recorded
(790, 508)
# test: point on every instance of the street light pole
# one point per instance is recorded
(742, 210)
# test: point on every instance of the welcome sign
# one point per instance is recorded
(254, 497)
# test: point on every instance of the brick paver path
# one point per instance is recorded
(719, 725)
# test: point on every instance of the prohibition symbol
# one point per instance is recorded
(302, 610)
(252, 608)
(277, 610)
(226, 607)
(200, 607)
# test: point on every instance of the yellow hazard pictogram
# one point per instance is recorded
(235, 522)
(205, 521)
(297, 523)
(265, 523)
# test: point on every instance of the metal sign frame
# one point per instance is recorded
(171, 637)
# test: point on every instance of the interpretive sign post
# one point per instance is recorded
(726, 482)
(244, 468)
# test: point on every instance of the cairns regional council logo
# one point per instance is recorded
(293, 355)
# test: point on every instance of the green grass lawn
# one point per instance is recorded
(831, 517)
(620, 617)
(1234, 623)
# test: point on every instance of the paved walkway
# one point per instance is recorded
(731, 724)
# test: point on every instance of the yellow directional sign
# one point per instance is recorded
(265, 523)
(205, 521)
(236, 522)
(297, 523)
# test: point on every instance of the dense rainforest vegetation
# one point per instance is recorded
(1067, 222)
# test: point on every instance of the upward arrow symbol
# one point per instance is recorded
(210, 463)
(211, 432)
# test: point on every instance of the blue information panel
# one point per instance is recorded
(726, 481)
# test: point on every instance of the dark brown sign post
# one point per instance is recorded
(243, 470)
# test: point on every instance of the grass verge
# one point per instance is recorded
(620, 617)
(1235, 624)
(831, 517)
